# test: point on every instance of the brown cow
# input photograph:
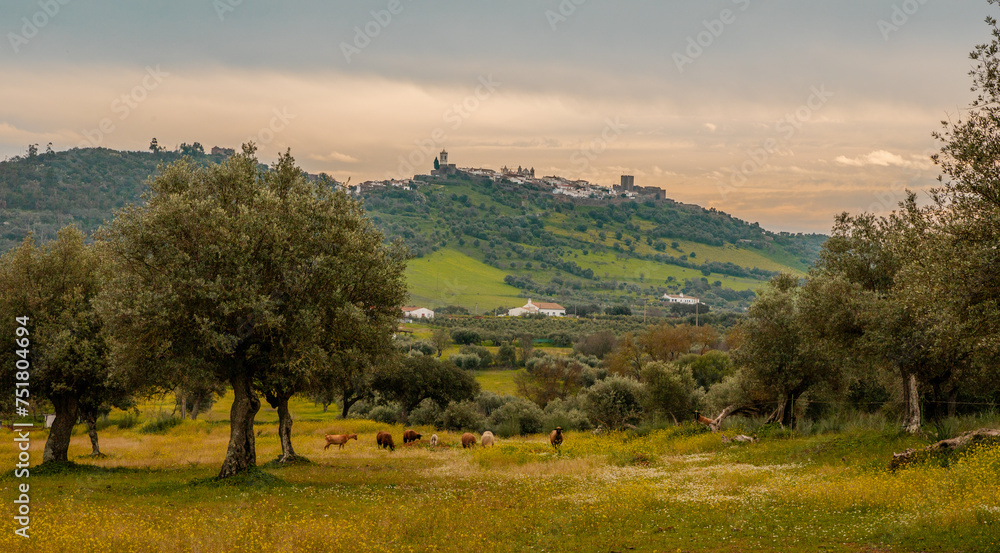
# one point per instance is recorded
(339, 439)
(410, 436)
(468, 440)
(384, 440)
(556, 437)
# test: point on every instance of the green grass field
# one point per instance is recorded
(449, 277)
(498, 382)
(678, 489)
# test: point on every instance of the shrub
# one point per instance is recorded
(468, 362)
(485, 357)
(615, 402)
(360, 409)
(128, 420)
(598, 344)
(709, 368)
(573, 419)
(670, 389)
(516, 417)
(423, 347)
(568, 413)
(386, 414)
(160, 424)
(561, 339)
(465, 336)
(507, 355)
(427, 413)
(592, 375)
(463, 415)
(489, 402)
(548, 377)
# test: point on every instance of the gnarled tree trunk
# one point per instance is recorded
(91, 419)
(784, 413)
(241, 455)
(196, 407)
(911, 402)
(280, 402)
(348, 399)
(285, 431)
(716, 423)
(57, 446)
(953, 401)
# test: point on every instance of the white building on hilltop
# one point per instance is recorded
(681, 299)
(544, 308)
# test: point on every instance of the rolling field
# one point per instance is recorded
(448, 277)
(498, 382)
(679, 489)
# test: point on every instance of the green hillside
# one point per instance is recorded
(574, 251)
(449, 277)
(476, 243)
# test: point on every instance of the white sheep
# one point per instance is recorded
(434, 440)
(488, 439)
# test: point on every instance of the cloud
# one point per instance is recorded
(660, 172)
(711, 127)
(884, 158)
(334, 156)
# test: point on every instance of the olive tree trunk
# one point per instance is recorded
(285, 430)
(241, 456)
(57, 446)
(279, 401)
(92, 432)
(911, 403)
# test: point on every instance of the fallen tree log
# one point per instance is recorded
(714, 424)
(964, 440)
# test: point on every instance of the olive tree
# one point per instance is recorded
(260, 276)
(53, 286)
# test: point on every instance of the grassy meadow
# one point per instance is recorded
(672, 489)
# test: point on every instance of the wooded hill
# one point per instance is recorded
(477, 244)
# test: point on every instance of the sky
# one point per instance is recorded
(782, 112)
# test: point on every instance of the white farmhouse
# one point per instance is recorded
(417, 313)
(544, 308)
(688, 300)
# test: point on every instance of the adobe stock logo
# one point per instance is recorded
(698, 43)
(786, 128)
(364, 35)
(901, 15)
(31, 26)
(582, 158)
(123, 106)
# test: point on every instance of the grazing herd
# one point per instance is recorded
(384, 439)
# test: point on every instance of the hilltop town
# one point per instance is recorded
(559, 185)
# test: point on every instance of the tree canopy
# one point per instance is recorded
(256, 277)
